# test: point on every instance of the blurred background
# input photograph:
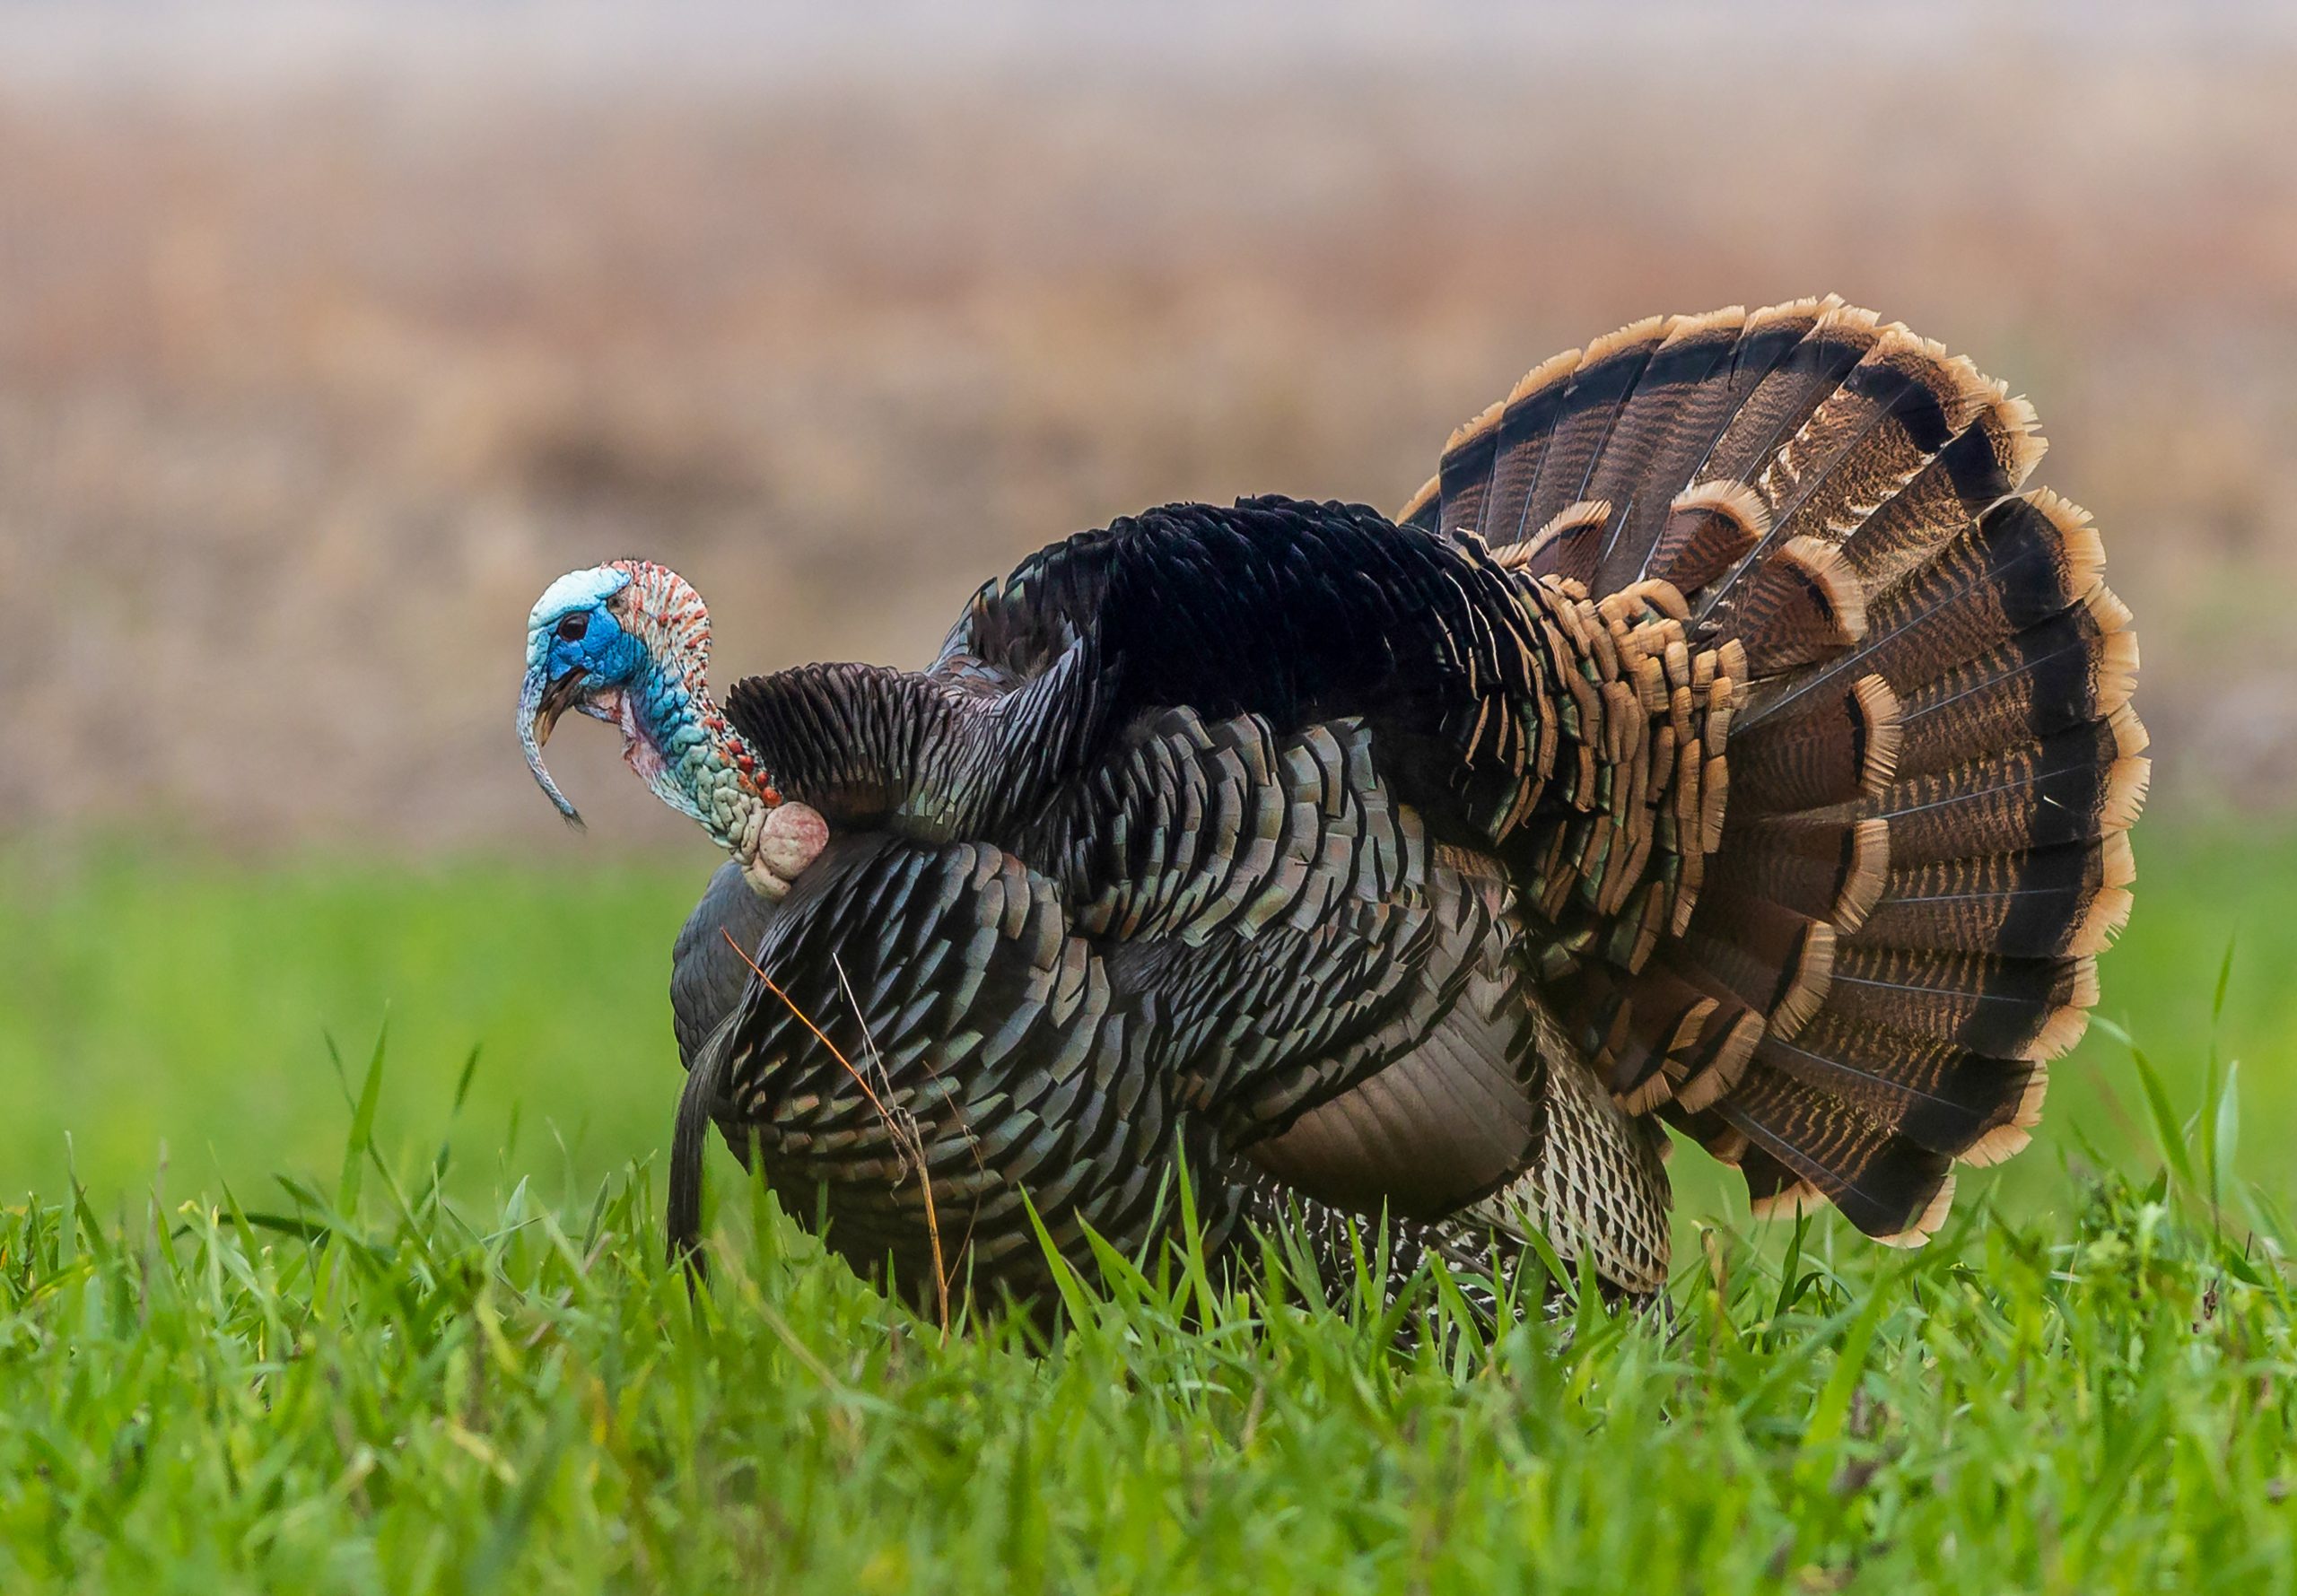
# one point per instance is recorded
(330, 335)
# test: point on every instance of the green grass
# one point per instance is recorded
(441, 1353)
(182, 1014)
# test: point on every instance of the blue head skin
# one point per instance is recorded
(578, 657)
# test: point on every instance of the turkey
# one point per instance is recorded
(1724, 741)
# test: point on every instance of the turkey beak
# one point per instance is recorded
(541, 702)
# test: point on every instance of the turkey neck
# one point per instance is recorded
(679, 742)
(674, 734)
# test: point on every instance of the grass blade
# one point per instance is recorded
(363, 1128)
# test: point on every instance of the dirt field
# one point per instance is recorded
(310, 380)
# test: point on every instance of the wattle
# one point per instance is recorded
(638, 746)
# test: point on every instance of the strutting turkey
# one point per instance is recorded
(1724, 738)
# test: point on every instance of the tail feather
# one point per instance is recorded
(1708, 529)
(2079, 785)
(1932, 763)
(1865, 442)
(1777, 962)
(2046, 902)
(2004, 1007)
(2062, 672)
(1833, 751)
(1904, 401)
(1606, 378)
(2025, 561)
(1832, 338)
(1940, 1097)
(1802, 604)
(1990, 461)
(1813, 1142)
(1664, 427)
(1832, 870)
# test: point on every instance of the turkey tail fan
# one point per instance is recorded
(2016, 773)
(1933, 764)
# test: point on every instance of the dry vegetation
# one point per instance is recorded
(304, 394)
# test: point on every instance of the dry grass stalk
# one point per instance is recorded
(900, 1124)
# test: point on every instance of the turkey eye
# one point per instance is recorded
(574, 626)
